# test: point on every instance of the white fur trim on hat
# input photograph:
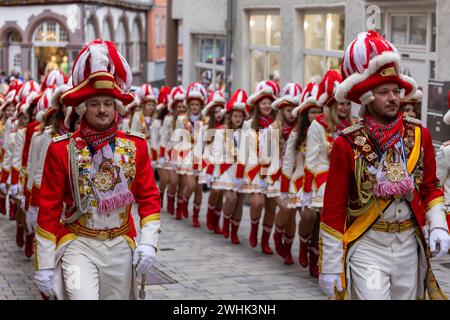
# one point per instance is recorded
(31, 96)
(57, 94)
(285, 99)
(219, 101)
(264, 91)
(67, 118)
(40, 116)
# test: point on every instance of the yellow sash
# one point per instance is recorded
(364, 221)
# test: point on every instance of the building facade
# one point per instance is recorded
(157, 43)
(37, 37)
(298, 40)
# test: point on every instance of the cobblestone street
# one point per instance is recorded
(194, 264)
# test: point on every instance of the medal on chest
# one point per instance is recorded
(108, 176)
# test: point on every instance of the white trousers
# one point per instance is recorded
(92, 270)
(380, 272)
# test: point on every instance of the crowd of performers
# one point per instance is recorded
(272, 146)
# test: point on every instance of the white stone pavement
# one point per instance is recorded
(195, 264)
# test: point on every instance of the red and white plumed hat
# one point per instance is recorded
(24, 105)
(290, 95)
(237, 102)
(265, 89)
(10, 98)
(146, 93)
(26, 89)
(447, 114)
(44, 103)
(163, 98)
(176, 95)
(143, 93)
(216, 99)
(196, 91)
(54, 78)
(14, 84)
(370, 61)
(308, 99)
(327, 88)
(99, 70)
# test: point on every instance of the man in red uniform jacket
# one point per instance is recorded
(381, 189)
(85, 232)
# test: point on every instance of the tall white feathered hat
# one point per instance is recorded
(371, 61)
(99, 70)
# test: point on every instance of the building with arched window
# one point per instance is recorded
(37, 37)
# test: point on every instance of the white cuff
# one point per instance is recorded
(436, 217)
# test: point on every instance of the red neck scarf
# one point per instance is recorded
(342, 124)
(265, 121)
(287, 129)
(97, 139)
(385, 136)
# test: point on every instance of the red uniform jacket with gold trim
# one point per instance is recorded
(338, 228)
(56, 194)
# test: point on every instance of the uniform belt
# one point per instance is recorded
(101, 235)
(385, 226)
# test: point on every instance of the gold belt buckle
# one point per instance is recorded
(102, 235)
(394, 227)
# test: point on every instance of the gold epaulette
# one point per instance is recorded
(413, 121)
(357, 126)
(63, 137)
(135, 134)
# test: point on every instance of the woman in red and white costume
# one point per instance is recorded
(188, 127)
(26, 114)
(50, 115)
(143, 111)
(7, 109)
(256, 164)
(281, 130)
(168, 138)
(321, 135)
(156, 139)
(228, 161)
(215, 115)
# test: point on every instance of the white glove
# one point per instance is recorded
(161, 161)
(144, 257)
(327, 282)
(31, 218)
(439, 236)
(3, 188)
(45, 280)
(14, 190)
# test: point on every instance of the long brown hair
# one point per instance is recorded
(161, 114)
(332, 118)
(279, 123)
(301, 129)
(212, 123)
